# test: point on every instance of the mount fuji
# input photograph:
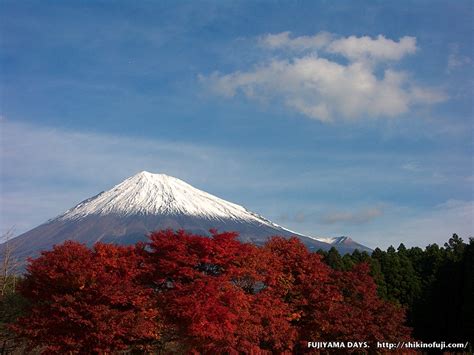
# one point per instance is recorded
(147, 202)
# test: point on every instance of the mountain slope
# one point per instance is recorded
(146, 202)
(344, 244)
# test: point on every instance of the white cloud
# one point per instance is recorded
(352, 47)
(381, 48)
(322, 88)
(283, 40)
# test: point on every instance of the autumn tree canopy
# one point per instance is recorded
(192, 294)
(85, 300)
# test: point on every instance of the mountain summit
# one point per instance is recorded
(147, 202)
(159, 194)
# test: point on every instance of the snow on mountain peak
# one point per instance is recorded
(159, 194)
(334, 240)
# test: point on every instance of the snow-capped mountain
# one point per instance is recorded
(159, 194)
(146, 202)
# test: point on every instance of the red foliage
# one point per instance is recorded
(208, 294)
(330, 305)
(87, 301)
(364, 315)
(215, 295)
(223, 296)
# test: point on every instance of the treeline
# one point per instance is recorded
(435, 285)
(182, 293)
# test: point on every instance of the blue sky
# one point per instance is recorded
(331, 117)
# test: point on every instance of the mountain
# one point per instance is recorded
(344, 244)
(147, 202)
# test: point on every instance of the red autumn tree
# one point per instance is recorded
(209, 290)
(303, 283)
(361, 314)
(329, 305)
(87, 301)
